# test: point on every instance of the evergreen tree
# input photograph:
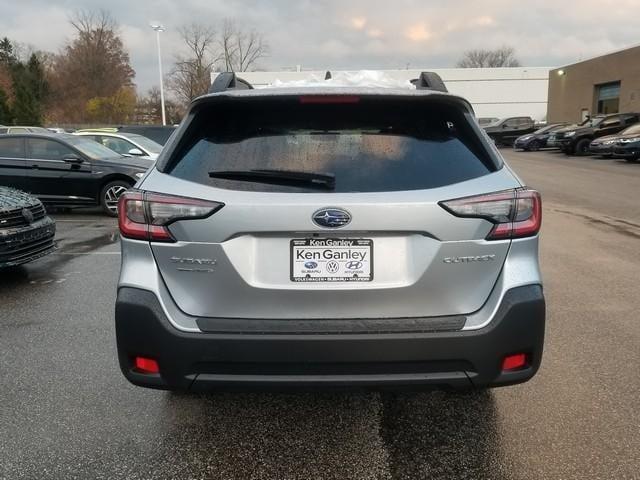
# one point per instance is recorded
(5, 111)
(7, 52)
(30, 89)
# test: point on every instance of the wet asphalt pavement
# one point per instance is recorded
(67, 412)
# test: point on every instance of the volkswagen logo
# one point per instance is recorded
(331, 217)
(27, 215)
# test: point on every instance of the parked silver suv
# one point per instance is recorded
(328, 236)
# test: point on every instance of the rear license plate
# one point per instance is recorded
(331, 260)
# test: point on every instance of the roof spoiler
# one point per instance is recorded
(429, 81)
(229, 81)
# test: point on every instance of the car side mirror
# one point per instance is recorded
(73, 159)
(136, 152)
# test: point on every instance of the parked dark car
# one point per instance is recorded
(575, 139)
(628, 146)
(505, 131)
(26, 232)
(538, 139)
(604, 146)
(68, 170)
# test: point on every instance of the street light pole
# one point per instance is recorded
(159, 28)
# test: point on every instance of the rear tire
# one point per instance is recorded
(110, 194)
(582, 147)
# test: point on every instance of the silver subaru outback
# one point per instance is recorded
(329, 237)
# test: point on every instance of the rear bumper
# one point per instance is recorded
(456, 359)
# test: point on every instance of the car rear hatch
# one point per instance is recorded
(347, 221)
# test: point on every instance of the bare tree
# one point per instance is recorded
(234, 49)
(191, 74)
(500, 57)
(241, 49)
(148, 108)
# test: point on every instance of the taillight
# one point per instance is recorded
(515, 213)
(146, 215)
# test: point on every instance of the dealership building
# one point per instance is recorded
(493, 92)
(601, 85)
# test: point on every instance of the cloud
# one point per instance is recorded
(418, 32)
(358, 23)
(483, 21)
(339, 35)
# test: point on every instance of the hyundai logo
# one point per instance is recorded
(310, 265)
(354, 265)
(331, 217)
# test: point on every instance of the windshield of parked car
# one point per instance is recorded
(93, 150)
(592, 122)
(547, 129)
(494, 122)
(484, 121)
(144, 142)
(632, 130)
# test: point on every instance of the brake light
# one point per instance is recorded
(515, 213)
(333, 99)
(146, 216)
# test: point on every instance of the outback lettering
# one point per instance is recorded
(477, 258)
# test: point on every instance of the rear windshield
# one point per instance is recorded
(367, 146)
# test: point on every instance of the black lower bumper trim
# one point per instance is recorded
(458, 359)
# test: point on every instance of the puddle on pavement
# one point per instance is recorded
(88, 245)
(49, 270)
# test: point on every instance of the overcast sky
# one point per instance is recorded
(350, 34)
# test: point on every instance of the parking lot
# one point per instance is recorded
(67, 411)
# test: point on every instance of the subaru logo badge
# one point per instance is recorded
(331, 217)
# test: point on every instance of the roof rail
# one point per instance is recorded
(229, 81)
(429, 81)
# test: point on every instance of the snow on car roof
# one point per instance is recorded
(363, 78)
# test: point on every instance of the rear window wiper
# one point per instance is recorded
(326, 181)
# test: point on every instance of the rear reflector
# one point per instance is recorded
(514, 362)
(516, 213)
(333, 99)
(146, 365)
(145, 215)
